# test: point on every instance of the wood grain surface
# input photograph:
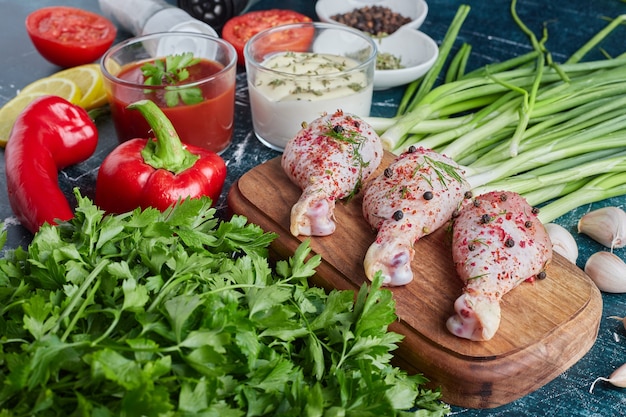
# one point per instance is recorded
(546, 326)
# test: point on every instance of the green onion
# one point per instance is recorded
(424, 85)
(527, 124)
(599, 188)
(562, 172)
(457, 66)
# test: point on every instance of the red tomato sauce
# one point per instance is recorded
(208, 124)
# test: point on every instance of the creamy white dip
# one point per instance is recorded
(301, 87)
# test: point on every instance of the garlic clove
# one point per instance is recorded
(607, 271)
(563, 242)
(617, 378)
(606, 225)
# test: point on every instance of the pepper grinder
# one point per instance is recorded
(141, 17)
(215, 12)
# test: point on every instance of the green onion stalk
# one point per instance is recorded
(598, 188)
(561, 172)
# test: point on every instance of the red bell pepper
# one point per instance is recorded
(49, 134)
(157, 172)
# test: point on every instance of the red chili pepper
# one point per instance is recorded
(49, 134)
(157, 172)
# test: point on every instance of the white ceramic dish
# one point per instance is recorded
(414, 9)
(417, 53)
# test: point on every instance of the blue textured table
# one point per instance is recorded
(494, 37)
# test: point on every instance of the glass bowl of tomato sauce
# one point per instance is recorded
(190, 76)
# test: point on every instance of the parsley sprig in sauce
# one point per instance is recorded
(171, 72)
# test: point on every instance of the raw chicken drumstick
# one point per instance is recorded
(418, 193)
(497, 243)
(329, 159)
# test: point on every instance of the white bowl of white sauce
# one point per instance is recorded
(300, 71)
(415, 51)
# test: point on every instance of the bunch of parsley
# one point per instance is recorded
(182, 314)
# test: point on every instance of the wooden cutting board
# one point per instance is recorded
(546, 327)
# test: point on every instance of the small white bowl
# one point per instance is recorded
(416, 10)
(417, 52)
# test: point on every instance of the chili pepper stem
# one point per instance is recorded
(167, 151)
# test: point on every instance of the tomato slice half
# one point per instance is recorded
(69, 36)
(239, 29)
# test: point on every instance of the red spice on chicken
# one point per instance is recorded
(329, 159)
(497, 243)
(416, 194)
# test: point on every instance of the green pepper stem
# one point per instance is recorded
(167, 151)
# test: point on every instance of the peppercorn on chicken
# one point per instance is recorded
(497, 243)
(415, 195)
(329, 159)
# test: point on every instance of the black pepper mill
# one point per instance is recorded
(214, 12)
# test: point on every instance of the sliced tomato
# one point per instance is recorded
(240, 28)
(68, 36)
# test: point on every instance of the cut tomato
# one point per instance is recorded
(240, 28)
(68, 36)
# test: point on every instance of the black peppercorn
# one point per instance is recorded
(428, 195)
(509, 243)
(338, 129)
(528, 223)
(535, 210)
(388, 172)
(375, 20)
(485, 218)
(397, 215)
(468, 195)
(411, 149)
(541, 275)
(471, 246)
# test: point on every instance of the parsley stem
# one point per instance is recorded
(169, 286)
(79, 313)
(117, 315)
(77, 297)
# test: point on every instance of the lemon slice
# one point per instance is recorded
(82, 85)
(88, 78)
(11, 110)
(56, 87)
